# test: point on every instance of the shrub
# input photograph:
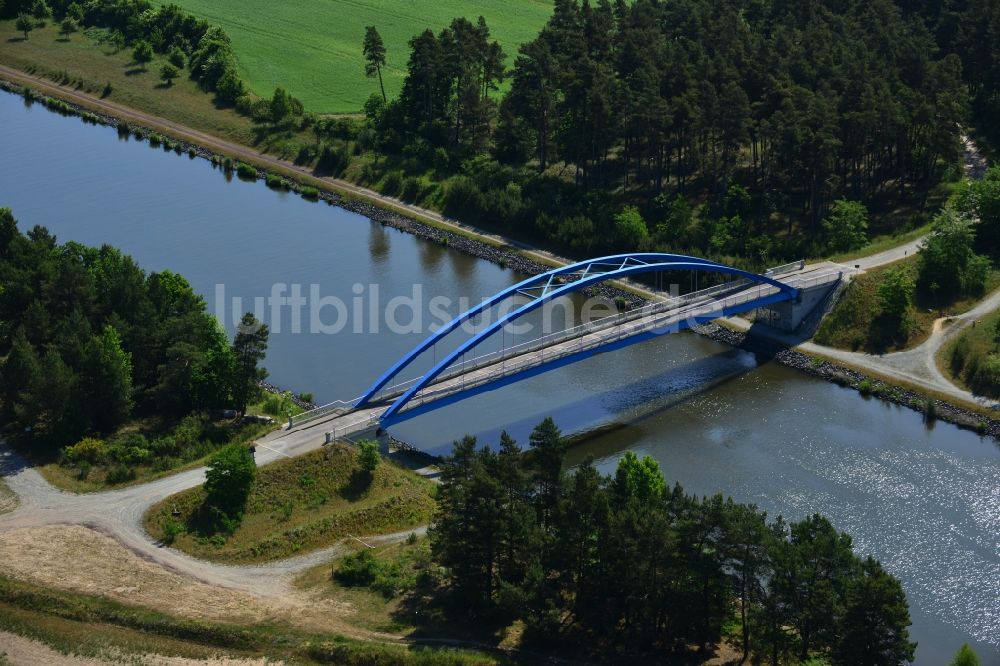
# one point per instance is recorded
(229, 480)
(120, 474)
(411, 189)
(155, 140)
(278, 404)
(866, 386)
(930, 410)
(276, 182)
(333, 161)
(392, 183)
(227, 164)
(88, 450)
(363, 569)
(368, 456)
(306, 397)
(230, 87)
(462, 198)
(176, 57)
(246, 171)
(172, 529)
(308, 192)
(306, 155)
(168, 73)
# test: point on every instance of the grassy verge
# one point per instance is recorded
(852, 324)
(8, 500)
(145, 450)
(972, 359)
(299, 505)
(882, 243)
(93, 626)
(396, 588)
(374, 609)
(884, 386)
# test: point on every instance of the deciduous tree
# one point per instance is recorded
(229, 480)
(168, 73)
(142, 53)
(24, 24)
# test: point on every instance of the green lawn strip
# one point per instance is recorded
(890, 384)
(849, 324)
(881, 244)
(69, 477)
(8, 499)
(89, 625)
(313, 49)
(970, 359)
(302, 504)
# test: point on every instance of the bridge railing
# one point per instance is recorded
(668, 305)
(342, 406)
(786, 268)
(489, 358)
(696, 313)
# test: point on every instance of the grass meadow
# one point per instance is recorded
(303, 504)
(313, 47)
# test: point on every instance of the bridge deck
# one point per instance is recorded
(607, 333)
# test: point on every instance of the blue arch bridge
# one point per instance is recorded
(783, 296)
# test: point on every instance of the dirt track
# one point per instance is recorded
(21, 651)
(113, 556)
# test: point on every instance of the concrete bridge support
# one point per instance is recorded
(788, 315)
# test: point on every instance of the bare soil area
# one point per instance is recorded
(18, 650)
(78, 559)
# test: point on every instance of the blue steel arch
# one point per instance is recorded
(785, 291)
(542, 281)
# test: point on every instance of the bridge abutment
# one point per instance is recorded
(787, 316)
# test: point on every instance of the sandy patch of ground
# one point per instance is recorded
(18, 651)
(78, 559)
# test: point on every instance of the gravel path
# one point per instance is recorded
(919, 365)
(119, 514)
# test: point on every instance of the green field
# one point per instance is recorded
(313, 47)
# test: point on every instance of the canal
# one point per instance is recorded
(924, 500)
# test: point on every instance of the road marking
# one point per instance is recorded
(281, 453)
(361, 542)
